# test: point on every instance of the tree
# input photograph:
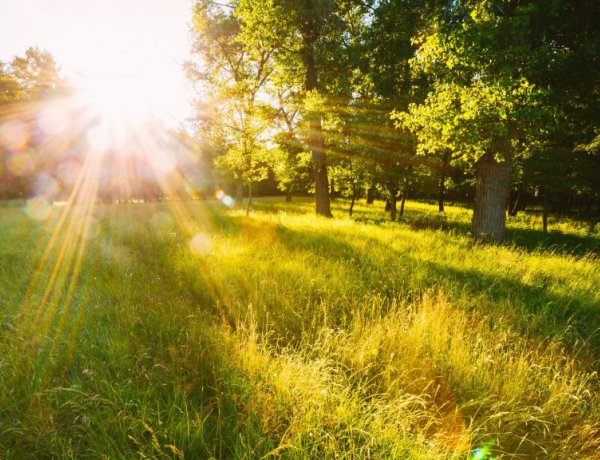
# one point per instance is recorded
(481, 90)
(316, 30)
(37, 74)
(10, 91)
(564, 174)
(290, 160)
(481, 107)
(233, 69)
(383, 81)
(26, 85)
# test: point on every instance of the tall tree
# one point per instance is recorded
(233, 68)
(383, 81)
(27, 85)
(37, 73)
(481, 107)
(319, 28)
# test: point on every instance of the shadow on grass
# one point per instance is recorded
(154, 349)
(533, 308)
(537, 312)
(530, 240)
(553, 242)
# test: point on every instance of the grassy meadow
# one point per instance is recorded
(188, 330)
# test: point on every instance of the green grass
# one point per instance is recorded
(185, 330)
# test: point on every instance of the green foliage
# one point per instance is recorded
(27, 83)
(470, 120)
(29, 78)
(9, 87)
(480, 102)
(36, 73)
(232, 70)
(460, 79)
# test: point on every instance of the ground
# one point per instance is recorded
(187, 330)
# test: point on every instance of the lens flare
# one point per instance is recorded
(20, 164)
(161, 221)
(38, 208)
(201, 244)
(228, 201)
(14, 135)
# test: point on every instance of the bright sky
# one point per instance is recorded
(134, 48)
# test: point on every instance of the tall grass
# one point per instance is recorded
(192, 331)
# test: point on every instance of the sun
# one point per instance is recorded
(116, 100)
(118, 108)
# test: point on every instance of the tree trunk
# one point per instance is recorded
(393, 207)
(491, 193)
(239, 190)
(514, 206)
(402, 203)
(353, 199)
(249, 199)
(288, 195)
(370, 194)
(545, 213)
(322, 200)
(442, 183)
(371, 189)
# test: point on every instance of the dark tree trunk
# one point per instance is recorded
(545, 213)
(392, 201)
(393, 207)
(441, 196)
(249, 199)
(322, 200)
(522, 202)
(402, 203)
(239, 190)
(370, 194)
(371, 189)
(354, 188)
(288, 195)
(442, 183)
(491, 193)
(514, 205)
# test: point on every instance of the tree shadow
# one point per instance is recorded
(554, 242)
(531, 240)
(534, 310)
(370, 266)
(537, 312)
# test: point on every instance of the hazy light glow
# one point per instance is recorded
(201, 244)
(228, 201)
(116, 101)
(117, 140)
(224, 198)
(125, 56)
